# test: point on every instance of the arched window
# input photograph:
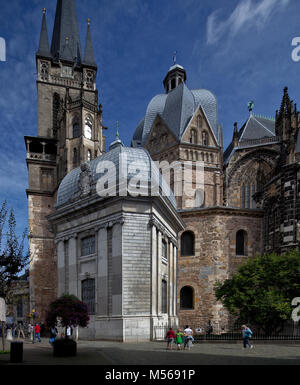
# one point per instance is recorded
(187, 244)
(75, 156)
(205, 141)
(241, 242)
(199, 121)
(76, 128)
(88, 294)
(243, 197)
(193, 138)
(88, 127)
(253, 203)
(89, 155)
(187, 298)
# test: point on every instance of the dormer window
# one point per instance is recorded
(67, 72)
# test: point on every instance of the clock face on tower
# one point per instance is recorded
(88, 128)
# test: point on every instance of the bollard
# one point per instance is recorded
(16, 352)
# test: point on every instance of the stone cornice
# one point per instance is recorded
(104, 224)
(221, 211)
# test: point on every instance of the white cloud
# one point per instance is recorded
(246, 14)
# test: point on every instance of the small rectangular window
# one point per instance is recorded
(88, 246)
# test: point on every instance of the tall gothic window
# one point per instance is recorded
(164, 296)
(187, 298)
(253, 204)
(199, 121)
(187, 244)
(88, 294)
(88, 127)
(243, 196)
(241, 239)
(88, 246)
(76, 128)
(75, 156)
(247, 196)
(55, 112)
(89, 155)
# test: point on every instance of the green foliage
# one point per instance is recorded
(69, 311)
(262, 290)
(12, 257)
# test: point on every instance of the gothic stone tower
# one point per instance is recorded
(69, 133)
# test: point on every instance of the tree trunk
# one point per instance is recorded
(3, 335)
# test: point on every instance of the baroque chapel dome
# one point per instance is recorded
(132, 162)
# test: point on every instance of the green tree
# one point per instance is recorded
(12, 257)
(262, 290)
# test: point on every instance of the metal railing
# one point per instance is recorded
(289, 333)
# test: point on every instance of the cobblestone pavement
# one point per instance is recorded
(154, 353)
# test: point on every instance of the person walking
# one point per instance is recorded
(247, 333)
(188, 337)
(30, 331)
(20, 329)
(69, 332)
(37, 332)
(53, 334)
(179, 336)
(170, 337)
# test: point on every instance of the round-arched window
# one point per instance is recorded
(187, 298)
(188, 244)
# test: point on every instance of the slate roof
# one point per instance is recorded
(44, 48)
(255, 128)
(139, 158)
(177, 108)
(66, 26)
(89, 57)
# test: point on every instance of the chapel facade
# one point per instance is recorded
(248, 202)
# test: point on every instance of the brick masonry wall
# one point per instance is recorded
(214, 260)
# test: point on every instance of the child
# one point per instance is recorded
(170, 337)
(179, 335)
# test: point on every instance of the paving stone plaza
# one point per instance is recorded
(108, 353)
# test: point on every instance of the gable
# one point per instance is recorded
(160, 137)
(198, 128)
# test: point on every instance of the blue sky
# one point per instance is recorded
(240, 51)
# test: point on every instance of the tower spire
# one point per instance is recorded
(44, 49)
(66, 26)
(89, 57)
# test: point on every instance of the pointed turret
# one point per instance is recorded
(235, 139)
(89, 57)
(66, 39)
(44, 49)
